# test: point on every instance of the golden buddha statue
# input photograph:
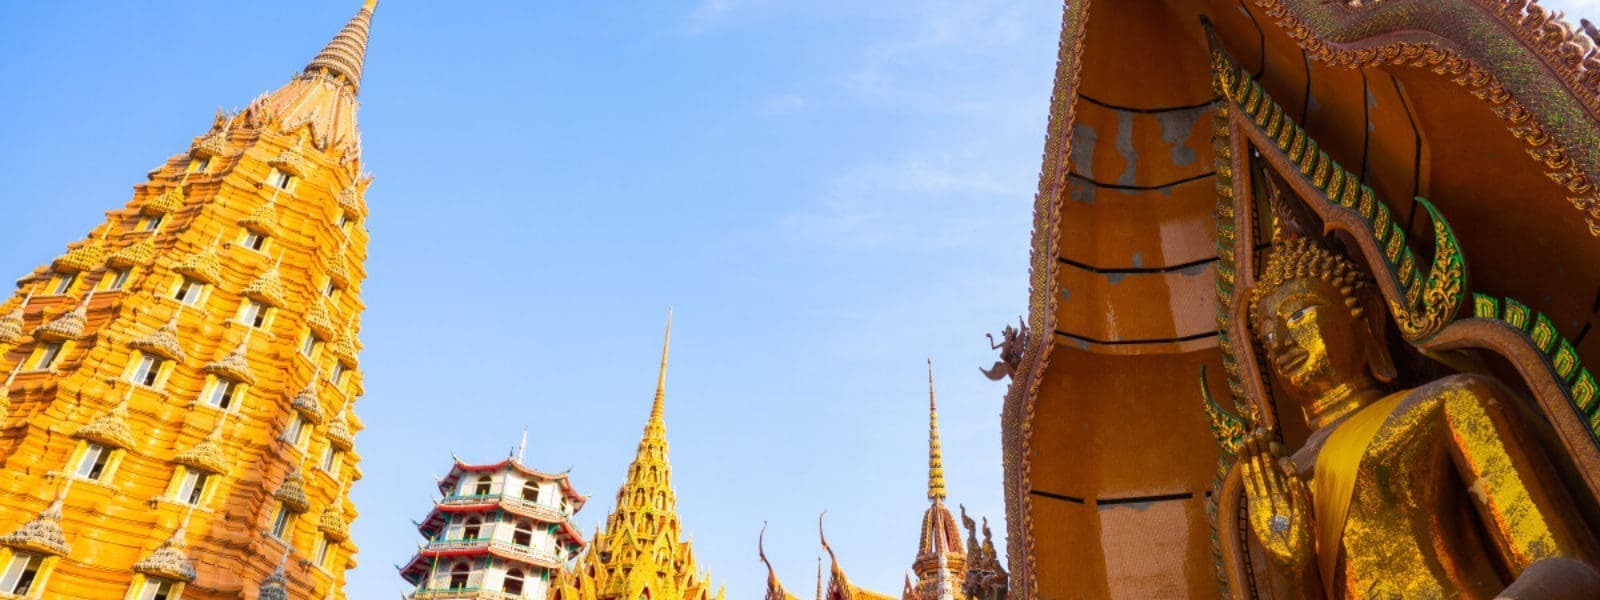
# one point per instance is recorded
(1432, 492)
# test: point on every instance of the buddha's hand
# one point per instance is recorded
(1279, 502)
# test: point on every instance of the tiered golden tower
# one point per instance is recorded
(175, 414)
(640, 553)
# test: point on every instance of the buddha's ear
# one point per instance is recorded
(1379, 361)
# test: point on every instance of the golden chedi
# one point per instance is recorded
(172, 421)
(1386, 496)
(640, 553)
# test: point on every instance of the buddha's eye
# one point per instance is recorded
(1301, 315)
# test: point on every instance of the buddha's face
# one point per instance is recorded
(1313, 341)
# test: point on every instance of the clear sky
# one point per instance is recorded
(828, 192)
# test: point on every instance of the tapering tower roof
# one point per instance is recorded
(941, 561)
(346, 55)
(641, 547)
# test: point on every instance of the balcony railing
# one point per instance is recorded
(461, 594)
(524, 507)
(544, 558)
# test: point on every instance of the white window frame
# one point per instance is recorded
(151, 223)
(191, 489)
(222, 390)
(12, 575)
(297, 433)
(94, 455)
(282, 523)
(63, 283)
(48, 355)
(254, 241)
(310, 345)
(190, 292)
(281, 180)
(116, 279)
(156, 588)
(147, 372)
(252, 311)
(332, 458)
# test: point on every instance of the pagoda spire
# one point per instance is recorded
(936, 491)
(346, 55)
(658, 409)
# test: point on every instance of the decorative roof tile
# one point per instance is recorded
(339, 432)
(306, 402)
(236, 365)
(264, 219)
(268, 288)
(11, 324)
(169, 560)
(168, 201)
(351, 201)
(138, 253)
(162, 342)
(215, 144)
(110, 429)
(207, 455)
(320, 321)
(85, 257)
(68, 326)
(293, 492)
(292, 160)
(344, 349)
(337, 269)
(42, 534)
(332, 522)
(204, 265)
(275, 586)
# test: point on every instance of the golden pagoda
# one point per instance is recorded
(172, 421)
(640, 552)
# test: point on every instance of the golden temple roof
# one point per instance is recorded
(162, 342)
(43, 534)
(268, 287)
(293, 492)
(236, 364)
(207, 455)
(110, 429)
(170, 559)
(68, 326)
(839, 586)
(775, 589)
(11, 324)
(345, 56)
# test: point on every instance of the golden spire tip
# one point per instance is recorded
(935, 455)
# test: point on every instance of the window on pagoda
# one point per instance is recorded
(459, 574)
(222, 393)
(322, 550)
(252, 240)
(189, 291)
(20, 573)
(45, 355)
(199, 164)
(309, 345)
(148, 370)
(483, 486)
(95, 462)
(156, 588)
(280, 180)
(115, 279)
(530, 491)
(337, 375)
(513, 582)
(150, 223)
(473, 529)
(191, 488)
(297, 434)
(523, 535)
(331, 459)
(254, 313)
(331, 289)
(281, 521)
(63, 283)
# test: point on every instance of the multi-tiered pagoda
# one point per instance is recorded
(641, 553)
(502, 530)
(175, 411)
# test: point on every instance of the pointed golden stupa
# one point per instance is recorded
(641, 552)
(155, 365)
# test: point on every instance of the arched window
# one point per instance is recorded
(523, 536)
(458, 576)
(470, 532)
(482, 488)
(530, 491)
(513, 583)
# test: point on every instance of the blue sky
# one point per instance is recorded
(827, 191)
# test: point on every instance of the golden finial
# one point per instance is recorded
(346, 54)
(935, 456)
(657, 410)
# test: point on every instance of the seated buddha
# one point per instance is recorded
(1438, 491)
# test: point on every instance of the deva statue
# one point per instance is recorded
(1437, 491)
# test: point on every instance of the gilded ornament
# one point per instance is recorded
(268, 288)
(110, 429)
(68, 326)
(236, 364)
(333, 524)
(168, 201)
(139, 253)
(264, 219)
(43, 534)
(293, 492)
(84, 257)
(169, 561)
(162, 342)
(207, 455)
